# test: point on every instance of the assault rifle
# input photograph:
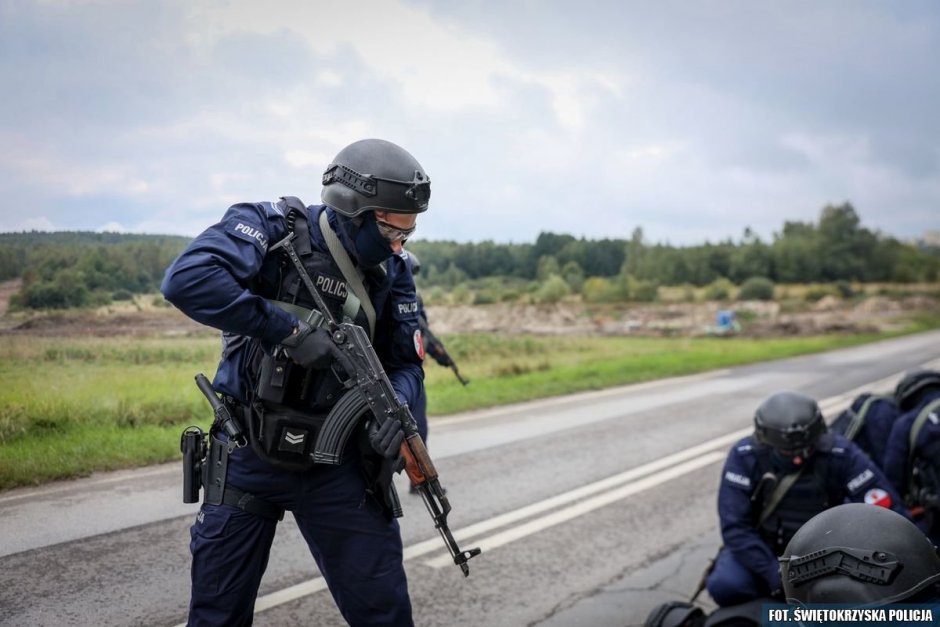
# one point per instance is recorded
(437, 350)
(368, 387)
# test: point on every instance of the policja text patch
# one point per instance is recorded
(249, 233)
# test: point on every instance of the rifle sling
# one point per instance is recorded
(341, 257)
(780, 490)
(858, 419)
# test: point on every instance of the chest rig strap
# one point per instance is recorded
(776, 497)
(341, 257)
(858, 418)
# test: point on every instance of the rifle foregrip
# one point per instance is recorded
(418, 463)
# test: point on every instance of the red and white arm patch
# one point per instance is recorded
(419, 343)
(879, 497)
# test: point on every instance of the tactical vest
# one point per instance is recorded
(280, 380)
(809, 495)
(288, 403)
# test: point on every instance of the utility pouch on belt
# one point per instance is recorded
(283, 436)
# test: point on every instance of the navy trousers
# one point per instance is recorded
(420, 413)
(730, 583)
(357, 548)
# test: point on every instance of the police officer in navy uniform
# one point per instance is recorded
(914, 468)
(790, 469)
(867, 422)
(234, 277)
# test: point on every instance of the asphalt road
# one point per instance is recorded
(590, 510)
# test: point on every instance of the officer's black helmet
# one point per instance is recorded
(912, 385)
(789, 422)
(375, 175)
(859, 554)
(415, 263)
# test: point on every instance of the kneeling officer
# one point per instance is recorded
(791, 469)
(280, 376)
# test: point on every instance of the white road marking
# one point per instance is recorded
(578, 397)
(579, 509)
(20, 493)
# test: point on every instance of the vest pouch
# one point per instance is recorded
(323, 389)
(283, 436)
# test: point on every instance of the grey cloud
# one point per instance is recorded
(720, 87)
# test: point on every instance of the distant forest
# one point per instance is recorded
(84, 269)
(80, 269)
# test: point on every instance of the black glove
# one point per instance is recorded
(386, 440)
(314, 348)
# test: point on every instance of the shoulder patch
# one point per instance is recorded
(408, 308)
(273, 206)
(248, 232)
(860, 480)
(877, 496)
(418, 339)
(738, 480)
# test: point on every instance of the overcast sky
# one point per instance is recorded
(692, 120)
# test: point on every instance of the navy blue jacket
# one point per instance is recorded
(849, 471)
(878, 421)
(897, 452)
(225, 274)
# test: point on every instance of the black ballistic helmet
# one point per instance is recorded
(789, 422)
(912, 385)
(375, 175)
(859, 554)
(415, 263)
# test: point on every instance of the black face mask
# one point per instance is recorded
(790, 460)
(371, 248)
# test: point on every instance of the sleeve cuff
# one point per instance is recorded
(280, 324)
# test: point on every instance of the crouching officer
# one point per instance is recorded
(912, 455)
(882, 558)
(251, 275)
(791, 469)
(867, 422)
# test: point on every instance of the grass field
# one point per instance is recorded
(72, 406)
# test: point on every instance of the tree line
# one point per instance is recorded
(80, 269)
(836, 248)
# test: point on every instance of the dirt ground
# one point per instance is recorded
(757, 318)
